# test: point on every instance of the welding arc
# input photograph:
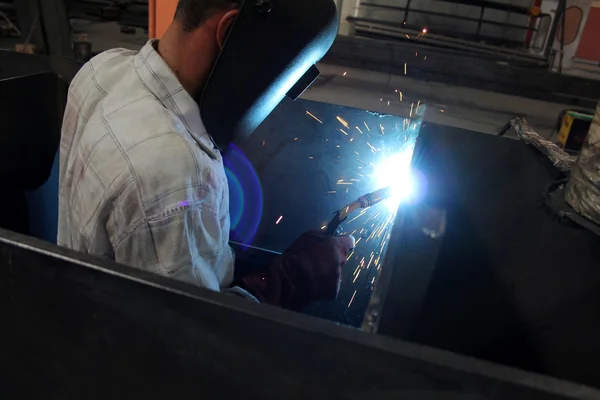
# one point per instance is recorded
(365, 201)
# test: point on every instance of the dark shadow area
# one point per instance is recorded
(77, 326)
(511, 284)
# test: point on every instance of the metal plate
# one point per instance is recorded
(81, 327)
(300, 154)
(511, 284)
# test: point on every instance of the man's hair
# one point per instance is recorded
(193, 13)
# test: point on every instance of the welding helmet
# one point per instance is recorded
(270, 51)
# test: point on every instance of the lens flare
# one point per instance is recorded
(395, 172)
(245, 195)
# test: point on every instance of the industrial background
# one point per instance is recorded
(493, 268)
(479, 61)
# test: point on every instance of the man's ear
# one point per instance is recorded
(224, 24)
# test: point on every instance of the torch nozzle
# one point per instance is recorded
(365, 201)
(375, 197)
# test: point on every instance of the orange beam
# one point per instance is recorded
(160, 15)
(151, 18)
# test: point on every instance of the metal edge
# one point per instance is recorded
(441, 358)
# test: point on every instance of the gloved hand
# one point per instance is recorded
(309, 270)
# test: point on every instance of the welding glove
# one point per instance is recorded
(309, 270)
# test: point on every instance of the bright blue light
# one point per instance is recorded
(394, 171)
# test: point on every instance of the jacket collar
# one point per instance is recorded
(163, 83)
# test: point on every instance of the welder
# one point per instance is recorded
(142, 181)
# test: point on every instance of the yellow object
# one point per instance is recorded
(565, 129)
(160, 16)
(573, 129)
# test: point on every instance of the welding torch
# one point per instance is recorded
(365, 201)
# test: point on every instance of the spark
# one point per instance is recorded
(373, 281)
(346, 190)
(367, 126)
(345, 133)
(362, 162)
(331, 192)
(371, 260)
(400, 94)
(416, 54)
(357, 242)
(382, 130)
(358, 216)
(381, 99)
(361, 132)
(279, 220)
(418, 105)
(317, 119)
(372, 148)
(408, 37)
(424, 30)
(351, 139)
(343, 122)
(388, 102)
(295, 138)
(264, 143)
(338, 146)
(411, 110)
(425, 58)
(356, 152)
(355, 180)
(344, 183)
(442, 111)
(311, 157)
(344, 74)
(350, 255)
(352, 299)
(356, 277)
(404, 68)
(323, 228)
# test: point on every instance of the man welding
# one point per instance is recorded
(142, 181)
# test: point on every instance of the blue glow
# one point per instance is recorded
(236, 199)
(245, 195)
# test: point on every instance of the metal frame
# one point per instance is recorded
(52, 30)
(102, 329)
(480, 21)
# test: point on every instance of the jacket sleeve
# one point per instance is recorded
(187, 243)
